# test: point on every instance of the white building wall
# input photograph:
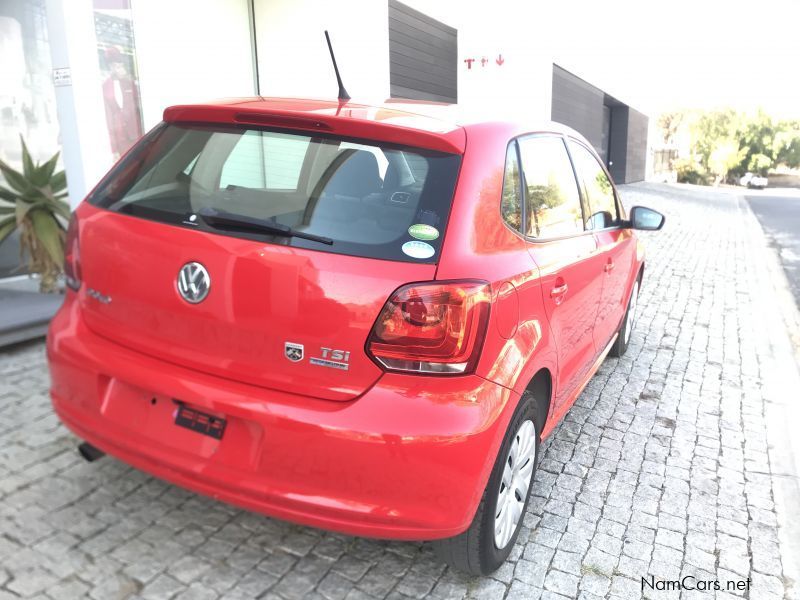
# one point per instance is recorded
(516, 80)
(532, 36)
(191, 51)
(85, 151)
(293, 57)
(194, 50)
(519, 88)
(197, 50)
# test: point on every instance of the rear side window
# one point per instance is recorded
(552, 200)
(601, 207)
(367, 198)
(511, 203)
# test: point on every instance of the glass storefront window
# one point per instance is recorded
(116, 52)
(27, 99)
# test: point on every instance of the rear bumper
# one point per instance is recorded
(409, 459)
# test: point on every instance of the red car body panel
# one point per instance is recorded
(620, 265)
(497, 255)
(406, 460)
(366, 452)
(317, 299)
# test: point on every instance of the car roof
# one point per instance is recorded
(438, 126)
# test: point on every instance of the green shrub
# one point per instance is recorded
(34, 203)
(691, 171)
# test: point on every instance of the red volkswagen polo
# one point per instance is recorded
(352, 317)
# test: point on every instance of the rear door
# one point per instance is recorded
(566, 256)
(284, 312)
(616, 246)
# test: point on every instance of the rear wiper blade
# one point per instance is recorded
(220, 219)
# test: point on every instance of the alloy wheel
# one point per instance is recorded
(631, 318)
(517, 476)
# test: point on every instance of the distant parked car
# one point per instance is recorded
(358, 319)
(754, 181)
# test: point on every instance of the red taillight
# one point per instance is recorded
(432, 327)
(72, 256)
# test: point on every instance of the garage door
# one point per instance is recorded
(423, 53)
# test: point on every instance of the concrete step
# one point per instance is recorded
(24, 312)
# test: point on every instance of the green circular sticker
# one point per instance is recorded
(423, 232)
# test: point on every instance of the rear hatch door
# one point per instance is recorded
(287, 303)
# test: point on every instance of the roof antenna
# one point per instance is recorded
(343, 95)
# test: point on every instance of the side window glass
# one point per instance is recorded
(511, 202)
(597, 189)
(552, 199)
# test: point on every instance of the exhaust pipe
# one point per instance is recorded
(89, 452)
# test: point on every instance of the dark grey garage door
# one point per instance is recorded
(617, 132)
(423, 55)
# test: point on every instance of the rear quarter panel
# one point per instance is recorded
(479, 245)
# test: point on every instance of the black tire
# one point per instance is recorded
(474, 551)
(623, 335)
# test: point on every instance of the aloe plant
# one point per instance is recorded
(33, 202)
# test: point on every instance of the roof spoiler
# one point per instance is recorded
(345, 123)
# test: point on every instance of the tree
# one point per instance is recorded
(756, 137)
(670, 123)
(787, 144)
(713, 129)
(759, 163)
(725, 156)
(727, 143)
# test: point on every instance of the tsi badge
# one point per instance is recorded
(335, 359)
(292, 351)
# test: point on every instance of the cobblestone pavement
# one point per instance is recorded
(661, 468)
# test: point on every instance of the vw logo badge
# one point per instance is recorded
(194, 282)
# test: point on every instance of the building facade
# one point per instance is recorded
(88, 77)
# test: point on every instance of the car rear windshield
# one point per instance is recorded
(347, 196)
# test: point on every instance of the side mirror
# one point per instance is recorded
(646, 219)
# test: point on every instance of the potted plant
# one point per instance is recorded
(33, 202)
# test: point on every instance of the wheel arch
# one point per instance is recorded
(541, 388)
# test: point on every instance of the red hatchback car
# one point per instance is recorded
(352, 317)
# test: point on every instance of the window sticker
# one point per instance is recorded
(417, 249)
(423, 232)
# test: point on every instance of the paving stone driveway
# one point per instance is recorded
(661, 468)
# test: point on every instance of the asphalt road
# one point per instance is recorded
(780, 218)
